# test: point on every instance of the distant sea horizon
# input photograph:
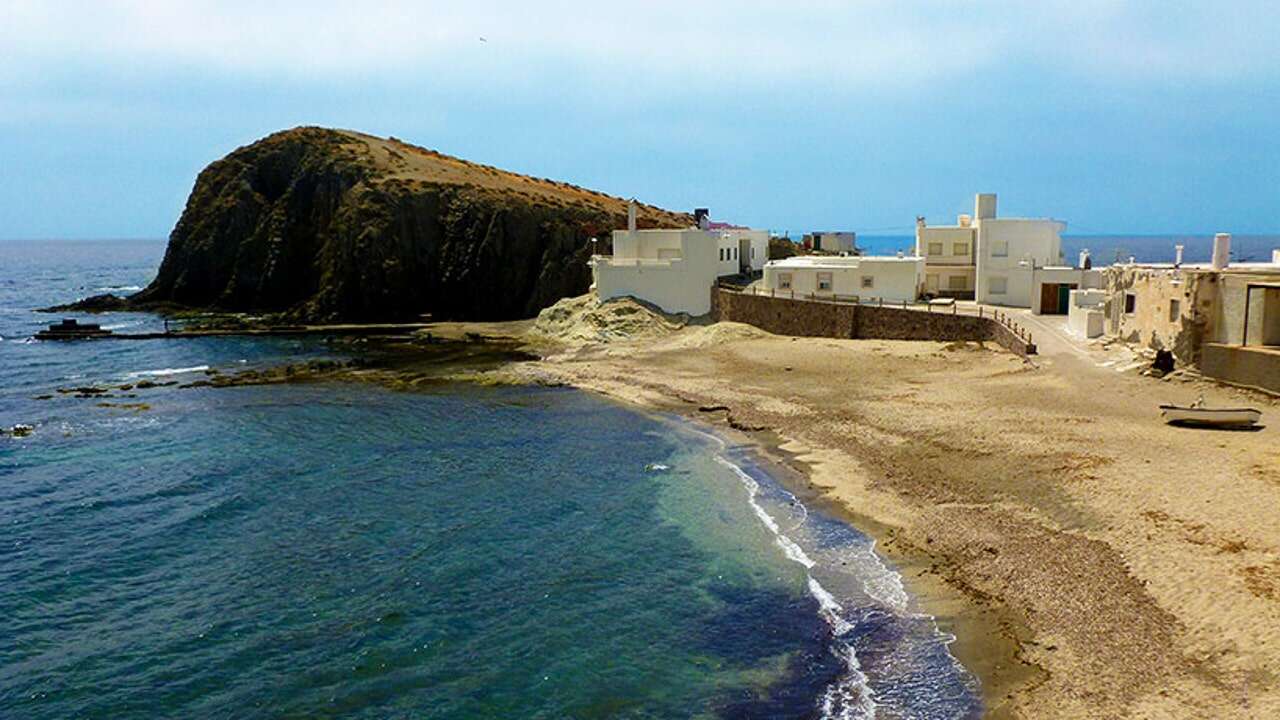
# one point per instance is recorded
(1108, 249)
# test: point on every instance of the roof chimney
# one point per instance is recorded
(1221, 251)
(1177, 256)
(631, 215)
(985, 206)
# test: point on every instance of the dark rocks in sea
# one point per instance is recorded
(106, 302)
(324, 225)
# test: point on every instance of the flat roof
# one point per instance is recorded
(844, 261)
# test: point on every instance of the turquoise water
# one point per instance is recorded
(341, 550)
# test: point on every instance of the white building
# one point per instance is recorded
(753, 247)
(1000, 261)
(674, 269)
(891, 279)
(948, 257)
(832, 242)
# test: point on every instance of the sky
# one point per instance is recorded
(1116, 117)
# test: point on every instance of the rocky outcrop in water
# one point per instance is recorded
(329, 225)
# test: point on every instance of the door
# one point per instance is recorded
(1049, 299)
(1064, 298)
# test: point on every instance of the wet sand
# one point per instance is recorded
(1092, 561)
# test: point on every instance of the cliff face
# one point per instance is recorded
(328, 225)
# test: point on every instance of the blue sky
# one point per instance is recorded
(1120, 117)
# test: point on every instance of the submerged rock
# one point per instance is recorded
(327, 225)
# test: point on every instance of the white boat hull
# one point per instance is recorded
(1210, 416)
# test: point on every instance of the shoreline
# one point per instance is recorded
(1089, 560)
(986, 641)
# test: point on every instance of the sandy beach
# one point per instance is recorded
(1092, 561)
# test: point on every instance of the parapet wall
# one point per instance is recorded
(820, 318)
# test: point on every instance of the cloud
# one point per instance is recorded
(883, 44)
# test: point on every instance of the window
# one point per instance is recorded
(960, 249)
(998, 285)
(957, 282)
(721, 254)
(735, 253)
(784, 281)
(935, 248)
(824, 281)
(1130, 302)
(1000, 249)
(753, 252)
(868, 282)
(1175, 309)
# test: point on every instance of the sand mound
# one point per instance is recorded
(695, 338)
(583, 320)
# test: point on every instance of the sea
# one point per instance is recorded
(349, 551)
(1108, 249)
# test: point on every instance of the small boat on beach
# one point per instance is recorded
(1198, 415)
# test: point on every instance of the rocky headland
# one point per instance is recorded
(322, 225)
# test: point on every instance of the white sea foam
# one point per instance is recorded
(120, 288)
(849, 698)
(168, 371)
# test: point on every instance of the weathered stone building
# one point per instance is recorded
(1222, 318)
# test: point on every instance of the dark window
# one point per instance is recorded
(1130, 301)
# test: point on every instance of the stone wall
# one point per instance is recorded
(819, 318)
(784, 316)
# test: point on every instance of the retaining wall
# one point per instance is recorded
(820, 318)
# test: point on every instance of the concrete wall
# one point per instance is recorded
(1228, 316)
(1085, 315)
(1253, 367)
(816, 318)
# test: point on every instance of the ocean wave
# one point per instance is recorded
(850, 697)
(168, 371)
(121, 326)
(119, 288)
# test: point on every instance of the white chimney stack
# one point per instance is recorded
(1221, 251)
(1275, 256)
(1177, 256)
(631, 216)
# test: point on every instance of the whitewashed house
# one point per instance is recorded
(1015, 262)
(673, 269)
(890, 279)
